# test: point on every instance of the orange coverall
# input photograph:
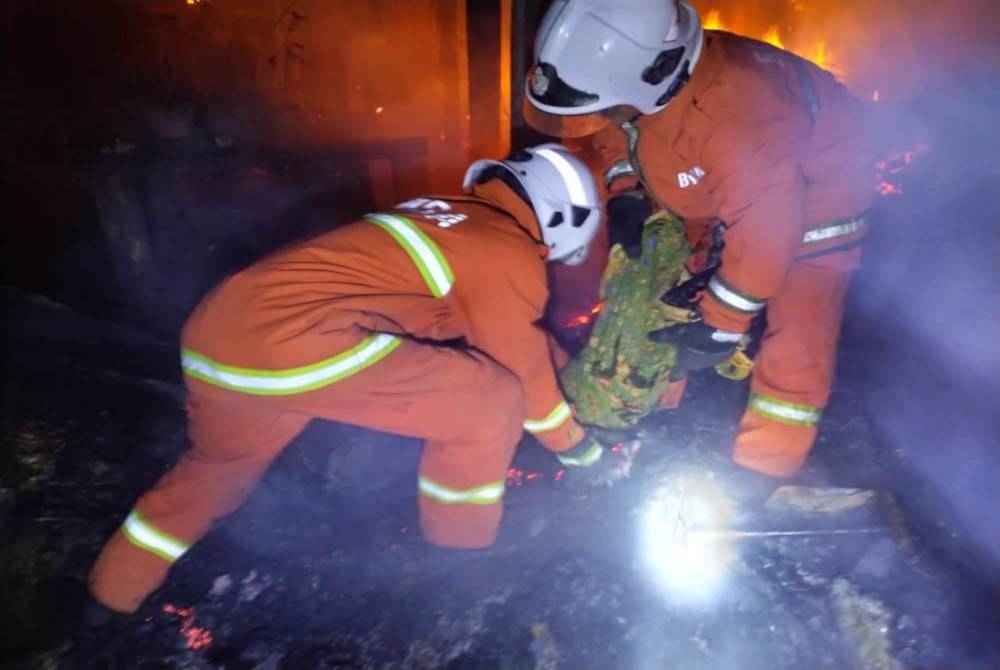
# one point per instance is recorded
(343, 327)
(775, 149)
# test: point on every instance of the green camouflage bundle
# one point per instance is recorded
(619, 376)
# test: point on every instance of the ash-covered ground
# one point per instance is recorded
(324, 568)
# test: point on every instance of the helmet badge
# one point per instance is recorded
(539, 82)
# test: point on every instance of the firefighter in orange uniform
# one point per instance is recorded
(729, 132)
(342, 327)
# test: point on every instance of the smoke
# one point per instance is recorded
(926, 304)
(923, 319)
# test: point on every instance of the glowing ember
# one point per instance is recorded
(893, 165)
(379, 110)
(197, 637)
(517, 477)
(584, 319)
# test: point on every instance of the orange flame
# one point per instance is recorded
(820, 56)
(773, 37)
(713, 20)
(816, 51)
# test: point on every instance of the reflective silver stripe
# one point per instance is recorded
(732, 299)
(425, 254)
(622, 168)
(554, 419)
(784, 411)
(574, 184)
(487, 494)
(837, 229)
(589, 457)
(144, 535)
(296, 380)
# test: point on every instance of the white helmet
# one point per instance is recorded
(594, 54)
(558, 187)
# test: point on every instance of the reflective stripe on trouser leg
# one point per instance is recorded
(796, 362)
(290, 381)
(772, 447)
(486, 494)
(463, 470)
(783, 411)
(232, 444)
(148, 537)
(775, 435)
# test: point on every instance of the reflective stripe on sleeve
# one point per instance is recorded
(591, 455)
(425, 254)
(784, 411)
(834, 229)
(487, 494)
(554, 419)
(148, 537)
(622, 168)
(295, 380)
(732, 298)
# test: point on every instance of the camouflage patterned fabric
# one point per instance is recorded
(619, 376)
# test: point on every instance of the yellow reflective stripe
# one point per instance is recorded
(146, 536)
(784, 411)
(587, 458)
(487, 494)
(829, 231)
(295, 380)
(422, 250)
(555, 419)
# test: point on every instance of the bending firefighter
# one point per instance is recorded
(343, 327)
(735, 137)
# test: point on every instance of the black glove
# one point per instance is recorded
(591, 465)
(699, 346)
(626, 214)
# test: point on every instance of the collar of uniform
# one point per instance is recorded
(499, 195)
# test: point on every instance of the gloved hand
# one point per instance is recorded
(699, 345)
(591, 465)
(626, 214)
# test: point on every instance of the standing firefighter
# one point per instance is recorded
(343, 327)
(729, 132)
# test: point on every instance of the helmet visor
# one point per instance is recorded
(558, 125)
